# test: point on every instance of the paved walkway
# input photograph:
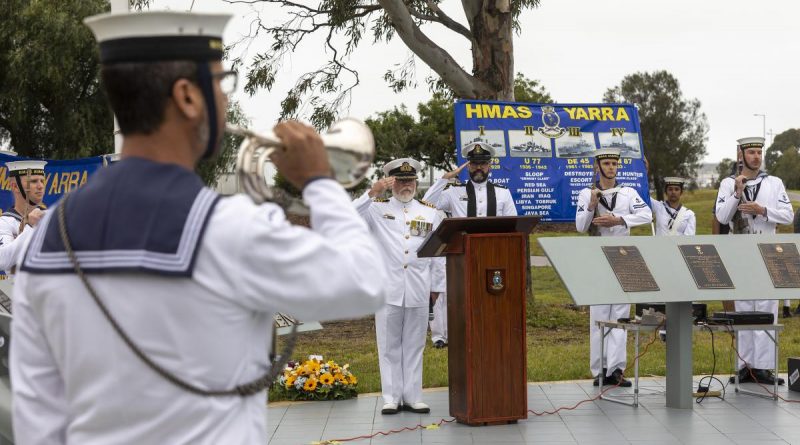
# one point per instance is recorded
(739, 419)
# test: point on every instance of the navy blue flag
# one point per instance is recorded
(544, 151)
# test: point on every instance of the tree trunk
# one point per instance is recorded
(493, 48)
(659, 189)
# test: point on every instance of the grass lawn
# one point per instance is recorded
(558, 332)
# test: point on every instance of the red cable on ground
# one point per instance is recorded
(753, 376)
(443, 421)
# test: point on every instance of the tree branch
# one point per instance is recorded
(471, 8)
(462, 83)
(442, 18)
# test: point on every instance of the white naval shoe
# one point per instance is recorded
(389, 408)
(419, 407)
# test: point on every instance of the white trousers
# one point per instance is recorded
(615, 342)
(755, 347)
(439, 323)
(401, 332)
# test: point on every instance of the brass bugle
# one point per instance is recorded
(348, 142)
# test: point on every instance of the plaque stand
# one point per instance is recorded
(679, 355)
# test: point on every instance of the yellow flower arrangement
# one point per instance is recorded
(314, 379)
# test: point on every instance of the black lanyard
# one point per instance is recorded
(604, 202)
(491, 204)
(672, 214)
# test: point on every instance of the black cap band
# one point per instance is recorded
(26, 172)
(161, 48)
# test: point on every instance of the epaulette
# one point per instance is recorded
(498, 185)
(454, 184)
(380, 199)
(426, 203)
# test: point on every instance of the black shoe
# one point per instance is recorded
(744, 376)
(389, 408)
(617, 379)
(419, 408)
(766, 377)
(787, 312)
(439, 344)
(597, 378)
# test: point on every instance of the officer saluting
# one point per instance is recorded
(400, 224)
(479, 196)
(16, 223)
(672, 217)
(608, 209)
(754, 202)
(190, 280)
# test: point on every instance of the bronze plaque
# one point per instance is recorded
(783, 263)
(629, 267)
(706, 266)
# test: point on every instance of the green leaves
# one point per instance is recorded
(674, 129)
(51, 103)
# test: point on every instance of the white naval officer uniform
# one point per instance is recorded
(626, 203)
(203, 310)
(454, 199)
(438, 325)
(755, 347)
(401, 325)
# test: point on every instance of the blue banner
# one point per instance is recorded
(60, 177)
(544, 151)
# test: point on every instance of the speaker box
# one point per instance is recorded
(794, 374)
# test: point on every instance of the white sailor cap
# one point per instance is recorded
(752, 142)
(477, 151)
(606, 153)
(24, 168)
(402, 168)
(158, 36)
(673, 180)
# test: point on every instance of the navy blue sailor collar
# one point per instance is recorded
(135, 215)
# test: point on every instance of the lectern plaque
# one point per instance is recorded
(783, 263)
(706, 266)
(629, 267)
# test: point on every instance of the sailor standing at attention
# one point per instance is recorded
(672, 217)
(753, 202)
(608, 209)
(17, 222)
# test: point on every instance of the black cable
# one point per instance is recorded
(711, 377)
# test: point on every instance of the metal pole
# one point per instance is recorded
(118, 7)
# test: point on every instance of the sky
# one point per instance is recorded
(739, 58)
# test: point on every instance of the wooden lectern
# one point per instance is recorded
(486, 298)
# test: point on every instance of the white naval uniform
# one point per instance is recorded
(454, 199)
(671, 222)
(634, 211)
(401, 325)
(439, 323)
(76, 382)
(11, 241)
(755, 347)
